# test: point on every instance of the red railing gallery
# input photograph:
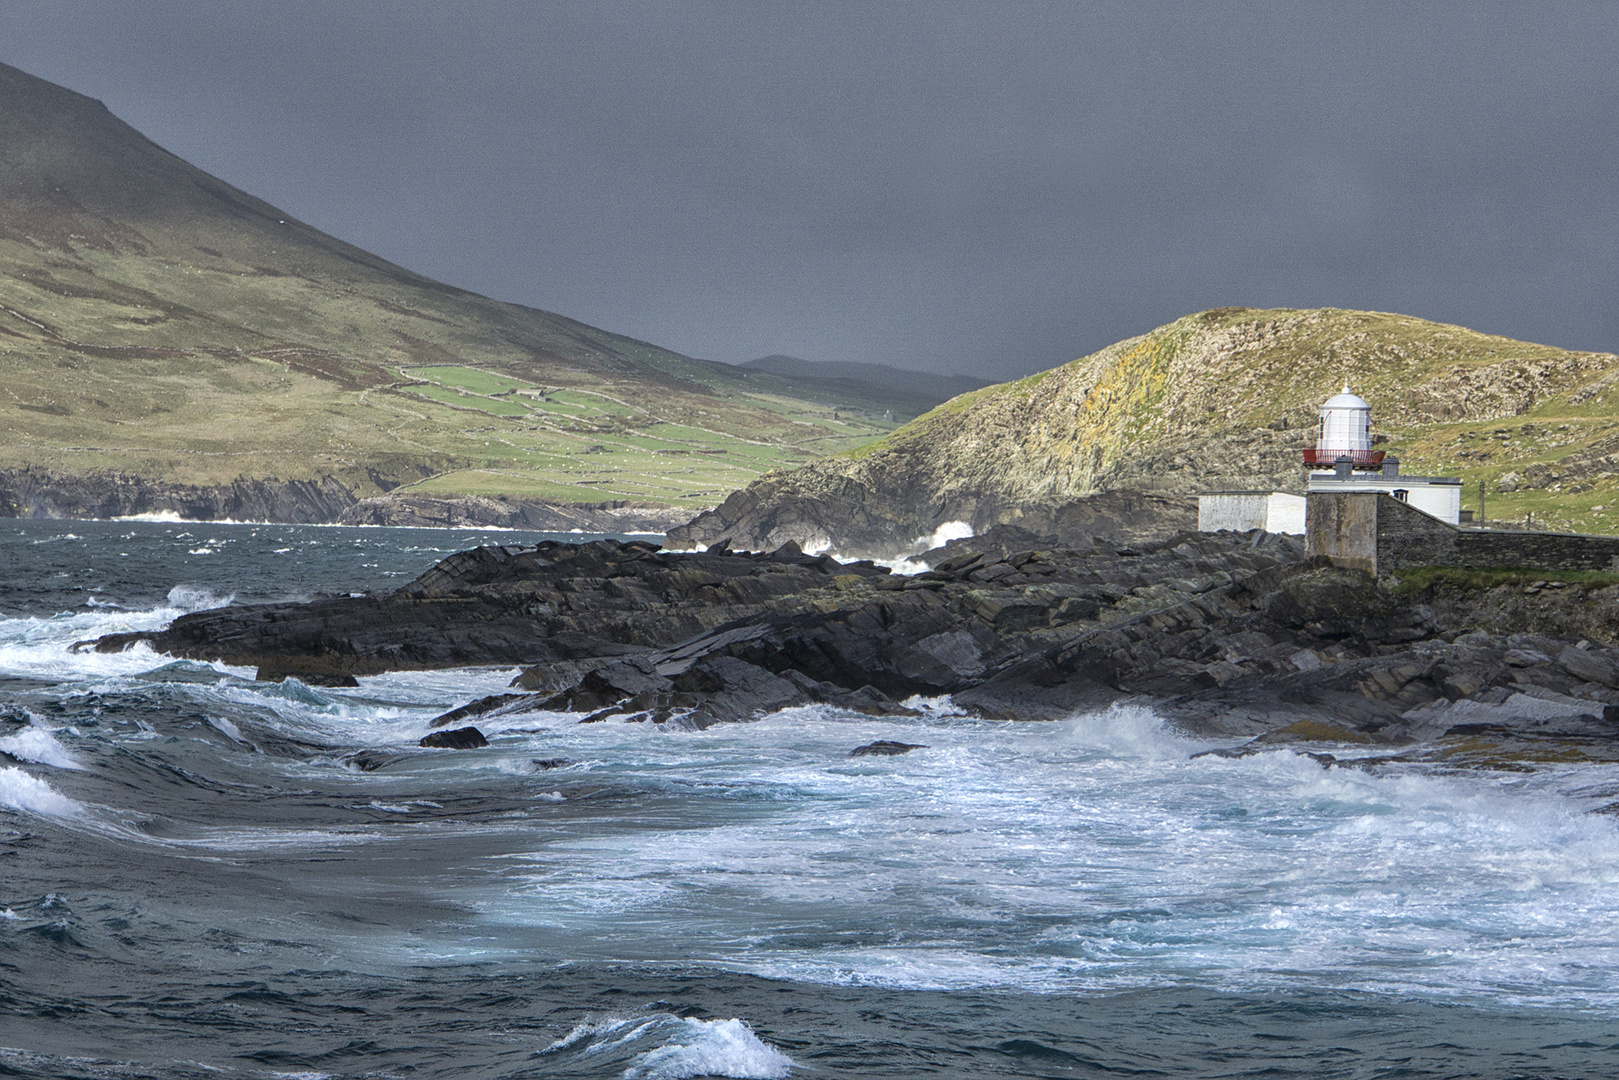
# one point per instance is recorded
(1326, 459)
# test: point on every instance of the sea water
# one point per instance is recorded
(199, 877)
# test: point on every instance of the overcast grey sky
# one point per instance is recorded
(986, 188)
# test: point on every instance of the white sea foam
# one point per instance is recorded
(169, 517)
(23, 791)
(910, 564)
(684, 1048)
(189, 598)
(1129, 730)
(711, 1048)
(1091, 854)
(39, 746)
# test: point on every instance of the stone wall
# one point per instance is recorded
(1543, 551)
(1407, 536)
(1343, 527)
(1380, 534)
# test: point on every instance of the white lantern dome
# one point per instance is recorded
(1345, 424)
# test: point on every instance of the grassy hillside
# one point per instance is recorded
(158, 322)
(1232, 395)
(1228, 398)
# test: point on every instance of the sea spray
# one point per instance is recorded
(37, 745)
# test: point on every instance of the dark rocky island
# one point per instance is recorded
(1235, 635)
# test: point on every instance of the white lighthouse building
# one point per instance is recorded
(1343, 460)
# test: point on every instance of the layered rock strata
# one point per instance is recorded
(38, 493)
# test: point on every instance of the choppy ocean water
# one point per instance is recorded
(197, 879)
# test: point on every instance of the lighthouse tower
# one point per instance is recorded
(1345, 433)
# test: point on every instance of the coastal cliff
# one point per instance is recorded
(37, 493)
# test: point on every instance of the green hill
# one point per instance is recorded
(1224, 398)
(157, 324)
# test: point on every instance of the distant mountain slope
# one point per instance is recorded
(925, 386)
(1221, 399)
(159, 327)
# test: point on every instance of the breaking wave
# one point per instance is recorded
(667, 1047)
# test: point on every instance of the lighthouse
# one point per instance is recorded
(1343, 460)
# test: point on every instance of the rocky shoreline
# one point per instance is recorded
(35, 493)
(1226, 635)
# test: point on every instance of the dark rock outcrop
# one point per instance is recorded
(1227, 635)
(885, 748)
(899, 514)
(465, 738)
(39, 493)
(461, 511)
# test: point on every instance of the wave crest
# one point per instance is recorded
(682, 1048)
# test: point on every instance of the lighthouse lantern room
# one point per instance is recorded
(1346, 421)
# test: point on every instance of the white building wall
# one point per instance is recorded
(1284, 513)
(1238, 511)
(1443, 501)
(1243, 511)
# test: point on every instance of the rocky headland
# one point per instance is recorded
(1220, 399)
(1226, 635)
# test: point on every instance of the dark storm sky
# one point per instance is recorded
(989, 188)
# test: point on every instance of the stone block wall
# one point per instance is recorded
(1379, 534)
(1542, 551)
(1407, 536)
